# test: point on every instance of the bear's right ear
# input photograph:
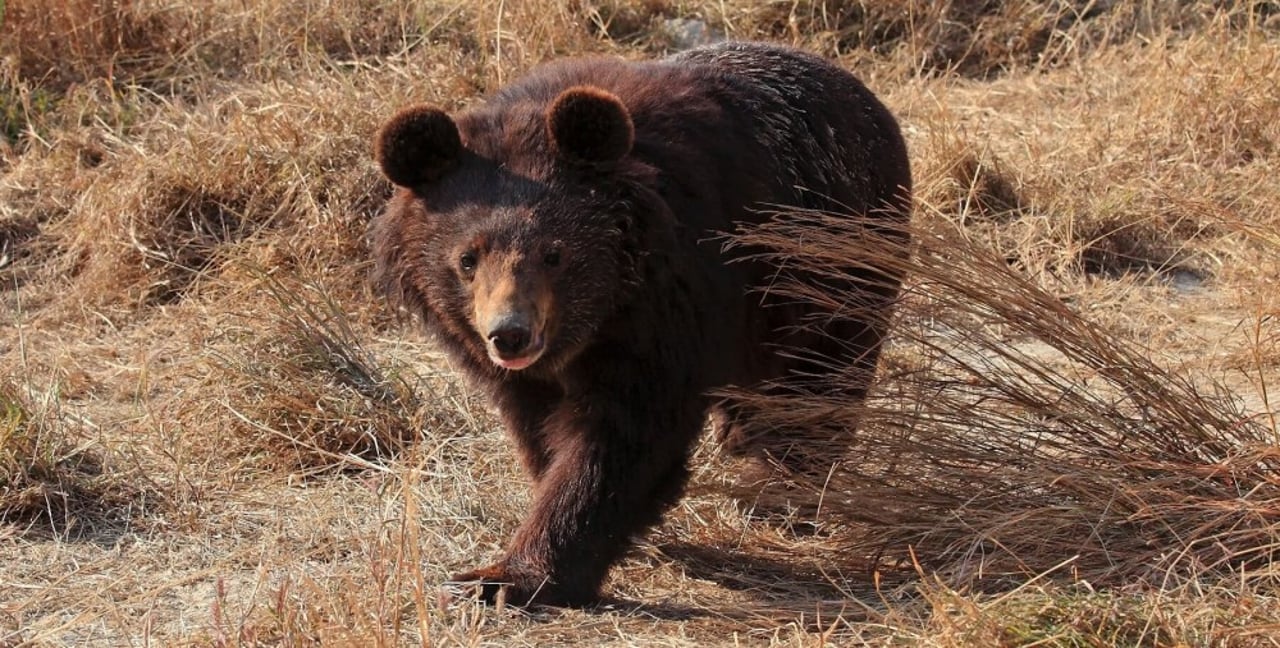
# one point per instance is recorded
(417, 145)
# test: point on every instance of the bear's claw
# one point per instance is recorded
(491, 585)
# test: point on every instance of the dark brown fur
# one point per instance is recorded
(584, 210)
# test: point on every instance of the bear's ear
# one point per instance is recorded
(590, 125)
(417, 145)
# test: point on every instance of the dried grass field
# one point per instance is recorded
(213, 432)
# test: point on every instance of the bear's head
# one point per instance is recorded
(514, 231)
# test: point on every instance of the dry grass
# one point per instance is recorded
(211, 431)
(306, 392)
(1014, 437)
(54, 481)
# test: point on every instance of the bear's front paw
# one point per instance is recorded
(492, 585)
(500, 584)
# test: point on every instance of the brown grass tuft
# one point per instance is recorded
(976, 186)
(75, 40)
(166, 47)
(52, 479)
(977, 39)
(308, 396)
(1014, 437)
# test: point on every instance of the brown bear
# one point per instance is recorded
(565, 243)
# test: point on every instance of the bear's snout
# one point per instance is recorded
(510, 338)
(512, 342)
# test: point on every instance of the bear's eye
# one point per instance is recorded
(552, 258)
(467, 261)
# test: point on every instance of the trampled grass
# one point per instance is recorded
(213, 432)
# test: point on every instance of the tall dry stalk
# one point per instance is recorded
(1014, 436)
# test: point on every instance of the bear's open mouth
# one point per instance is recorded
(526, 357)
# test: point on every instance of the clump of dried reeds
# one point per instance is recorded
(50, 479)
(1013, 436)
(974, 39)
(73, 40)
(308, 394)
(165, 46)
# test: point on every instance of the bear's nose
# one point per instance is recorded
(510, 338)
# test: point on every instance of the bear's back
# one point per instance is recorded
(736, 128)
(834, 141)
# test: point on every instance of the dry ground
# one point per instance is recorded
(212, 432)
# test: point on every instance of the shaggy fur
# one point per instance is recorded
(569, 255)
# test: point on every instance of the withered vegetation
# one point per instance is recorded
(213, 432)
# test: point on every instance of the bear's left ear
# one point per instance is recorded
(418, 145)
(588, 124)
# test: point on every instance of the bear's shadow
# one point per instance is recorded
(783, 590)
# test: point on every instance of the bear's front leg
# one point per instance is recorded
(612, 475)
(525, 406)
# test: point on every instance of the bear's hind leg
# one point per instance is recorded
(804, 421)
